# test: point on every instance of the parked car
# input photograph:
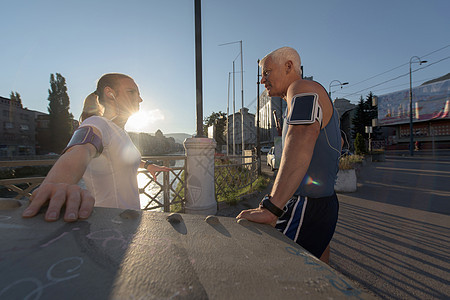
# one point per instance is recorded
(265, 149)
(271, 159)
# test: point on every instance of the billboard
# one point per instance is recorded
(429, 102)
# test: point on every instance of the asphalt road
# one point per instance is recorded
(393, 233)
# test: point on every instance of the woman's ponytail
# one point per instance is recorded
(91, 107)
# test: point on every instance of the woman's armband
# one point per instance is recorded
(85, 135)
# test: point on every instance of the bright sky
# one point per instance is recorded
(365, 43)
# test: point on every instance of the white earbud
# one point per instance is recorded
(112, 95)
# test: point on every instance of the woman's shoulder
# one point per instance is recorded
(95, 121)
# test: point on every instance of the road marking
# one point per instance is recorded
(409, 170)
(436, 192)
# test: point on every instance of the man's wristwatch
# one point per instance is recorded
(147, 163)
(267, 204)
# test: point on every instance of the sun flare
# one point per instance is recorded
(144, 121)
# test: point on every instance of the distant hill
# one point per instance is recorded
(178, 137)
(445, 77)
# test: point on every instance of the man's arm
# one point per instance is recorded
(297, 154)
(60, 187)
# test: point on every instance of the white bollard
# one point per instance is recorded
(200, 194)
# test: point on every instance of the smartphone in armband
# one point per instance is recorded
(305, 110)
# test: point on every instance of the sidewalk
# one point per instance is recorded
(393, 233)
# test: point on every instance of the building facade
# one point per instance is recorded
(17, 129)
(235, 121)
(267, 123)
(430, 114)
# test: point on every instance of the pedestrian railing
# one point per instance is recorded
(233, 173)
(21, 187)
(168, 193)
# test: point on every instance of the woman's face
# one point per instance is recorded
(127, 96)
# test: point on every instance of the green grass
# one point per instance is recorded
(232, 196)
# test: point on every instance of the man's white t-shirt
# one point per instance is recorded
(112, 177)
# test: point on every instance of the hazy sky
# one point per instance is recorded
(366, 43)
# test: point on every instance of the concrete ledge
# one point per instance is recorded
(119, 254)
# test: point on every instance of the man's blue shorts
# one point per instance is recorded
(310, 222)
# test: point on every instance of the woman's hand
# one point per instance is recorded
(79, 203)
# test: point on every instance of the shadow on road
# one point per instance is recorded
(393, 234)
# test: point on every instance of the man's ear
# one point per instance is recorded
(288, 66)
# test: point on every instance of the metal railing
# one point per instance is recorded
(23, 186)
(233, 173)
(172, 190)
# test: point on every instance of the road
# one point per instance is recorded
(393, 233)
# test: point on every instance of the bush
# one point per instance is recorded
(348, 162)
(360, 144)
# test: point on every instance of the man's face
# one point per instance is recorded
(272, 78)
(128, 97)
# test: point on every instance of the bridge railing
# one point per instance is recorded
(171, 191)
(167, 191)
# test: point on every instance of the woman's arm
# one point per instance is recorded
(60, 187)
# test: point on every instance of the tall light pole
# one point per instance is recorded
(258, 141)
(242, 91)
(331, 85)
(198, 68)
(411, 134)
(228, 114)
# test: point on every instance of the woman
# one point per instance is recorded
(101, 152)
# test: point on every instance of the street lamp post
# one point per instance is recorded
(411, 134)
(258, 140)
(242, 92)
(339, 83)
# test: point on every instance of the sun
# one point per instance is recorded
(143, 121)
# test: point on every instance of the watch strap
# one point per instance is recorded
(267, 204)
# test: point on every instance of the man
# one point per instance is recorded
(302, 203)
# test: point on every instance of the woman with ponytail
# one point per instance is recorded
(101, 152)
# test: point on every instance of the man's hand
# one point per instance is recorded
(259, 215)
(79, 202)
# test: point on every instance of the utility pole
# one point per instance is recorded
(258, 142)
(242, 99)
(198, 67)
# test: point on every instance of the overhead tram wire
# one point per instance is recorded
(428, 54)
(398, 85)
(395, 78)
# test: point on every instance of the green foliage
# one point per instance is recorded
(58, 109)
(15, 97)
(360, 144)
(347, 162)
(365, 112)
(219, 120)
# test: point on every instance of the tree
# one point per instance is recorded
(365, 112)
(219, 120)
(15, 97)
(58, 109)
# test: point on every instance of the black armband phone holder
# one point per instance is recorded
(305, 110)
(84, 135)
